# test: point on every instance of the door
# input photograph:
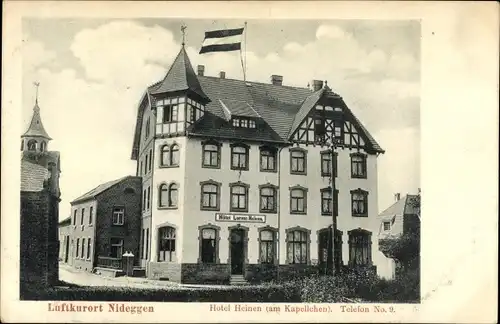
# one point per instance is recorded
(66, 249)
(237, 251)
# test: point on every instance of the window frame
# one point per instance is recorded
(246, 155)
(246, 194)
(89, 248)
(384, 226)
(113, 216)
(91, 215)
(274, 189)
(111, 247)
(167, 152)
(305, 192)
(217, 195)
(335, 201)
(272, 153)
(364, 193)
(172, 256)
(333, 163)
(217, 152)
(173, 187)
(292, 158)
(216, 241)
(307, 242)
(82, 217)
(166, 188)
(362, 163)
(274, 242)
(356, 233)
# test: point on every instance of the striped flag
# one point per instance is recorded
(223, 40)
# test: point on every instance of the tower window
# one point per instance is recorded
(32, 145)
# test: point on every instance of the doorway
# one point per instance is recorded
(237, 250)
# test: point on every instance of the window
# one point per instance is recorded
(297, 246)
(170, 113)
(43, 146)
(298, 161)
(267, 199)
(91, 215)
(359, 200)
(172, 195)
(163, 199)
(360, 247)
(22, 145)
(32, 145)
(74, 216)
(326, 163)
(144, 199)
(77, 252)
(267, 159)
(150, 159)
(89, 247)
(209, 245)
(141, 248)
(244, 123)
(147, 129)
(116, 248)
(211, 155)
(387, 226)
(83, 215)
(298, 200)
(140, 168)
(358, 165)
(147, 244)
(239, 157)
(210, 195)
(239, 197)
(149, 198)
(146, 164)
(83, 248)
(251, 123)
(169, 155)
(326, 202)
(118, 215)
(166, 244)
(267, 250)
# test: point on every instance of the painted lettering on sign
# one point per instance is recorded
(220, 217)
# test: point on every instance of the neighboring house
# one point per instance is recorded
(217, 156)
(64, 239)
(400, 218)
(40, 196)
(105, 223)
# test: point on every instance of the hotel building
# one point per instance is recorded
(237, 180)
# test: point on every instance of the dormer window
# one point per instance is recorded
(244, 123)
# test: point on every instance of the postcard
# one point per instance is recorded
(249, 162)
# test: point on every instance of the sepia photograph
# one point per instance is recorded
(236, 160)
(245, 161)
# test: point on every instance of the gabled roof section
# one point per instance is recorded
(307, 105)
(99, 189)
(238, 108)
(180, 77)
(403, 206)
(36, 128)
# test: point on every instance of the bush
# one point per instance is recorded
(230, 294)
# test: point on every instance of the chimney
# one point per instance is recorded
(277, 79)
(317, 85)
(201, 70)
(397, 196)
(222, 74)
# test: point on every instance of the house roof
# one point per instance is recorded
(403, 206)
(99, 189)
(180, 77)
(65, 221)
(33, 176)
(36, 128)
(278, 109)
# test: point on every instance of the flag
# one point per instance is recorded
(223, 40)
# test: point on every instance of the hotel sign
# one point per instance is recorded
(222, 217)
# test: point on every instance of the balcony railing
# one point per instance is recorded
(109, 262)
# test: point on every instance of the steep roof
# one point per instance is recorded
(99, 189)
(403, 206)
(36, 127)
(33, 176)
(180, 77)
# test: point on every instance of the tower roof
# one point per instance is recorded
(36, 127)
(180, 77)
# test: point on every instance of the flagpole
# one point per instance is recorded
(243, 54)
(246, 26)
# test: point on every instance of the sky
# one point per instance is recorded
(93, 72)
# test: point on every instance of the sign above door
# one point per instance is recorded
(242, 218)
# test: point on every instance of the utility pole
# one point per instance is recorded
(335, 264)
